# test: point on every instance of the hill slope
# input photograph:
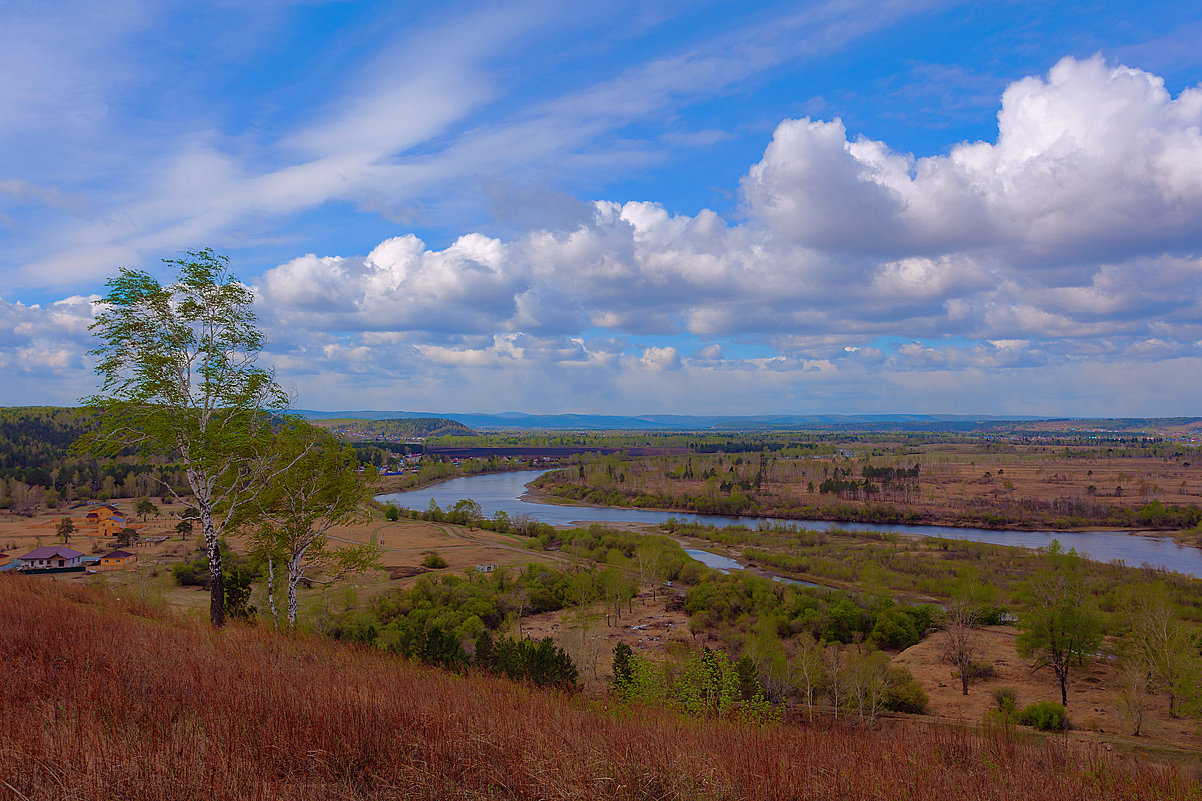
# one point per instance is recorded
(96, 702)
(395, 428)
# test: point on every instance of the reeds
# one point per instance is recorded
(101, 701)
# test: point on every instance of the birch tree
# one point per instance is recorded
(1157, 643)
(179, 379)
(313, 484)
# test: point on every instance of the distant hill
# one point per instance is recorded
(393, 428)
(516, 421)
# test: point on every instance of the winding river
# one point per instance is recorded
(504, 491)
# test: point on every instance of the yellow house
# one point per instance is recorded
(99, 515)
(117, 559)
(109, 526)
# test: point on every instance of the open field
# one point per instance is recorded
(101, 699)
(404, 544)
(991, 483)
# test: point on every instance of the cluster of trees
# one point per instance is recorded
(736, 605)
(843, 682)
(452, 621)
(734, 502)
(698, 682)
(464, 606)
(466, 512)
(895, 484)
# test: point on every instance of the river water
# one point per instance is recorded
(503, 491)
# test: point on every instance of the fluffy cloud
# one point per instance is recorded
(1093, 162)
(1067, 247)
(1069, 240)
(400, 286)
(45, 347)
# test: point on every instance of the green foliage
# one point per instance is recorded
(432, 645)
(433, 560)
(178, 380)
(464, 606)
(708, 684)
(894, 630)
(903, 692)
(703, 682)
(1045, 716)
(145, 508)
(1059, 625)
(1005, 700)
(391, 512)
(236, 587)
(542, 663)
(310, 484)
(623, 672)
(735, 605)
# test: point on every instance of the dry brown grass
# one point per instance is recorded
(99, 700)
(1093, 695)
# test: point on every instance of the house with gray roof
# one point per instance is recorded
(50, 557)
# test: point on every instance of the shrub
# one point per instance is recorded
(1005, 700)
(434, 560)
(191, 574)
(981, 670)
(391, 512)
(904, 693)
(1045, 716)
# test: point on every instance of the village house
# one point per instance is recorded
(110, 526)
(98, 515)
(117, 559)
(50, 556)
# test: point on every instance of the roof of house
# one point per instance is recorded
(49, 551)
(117, 519)
(117, 555)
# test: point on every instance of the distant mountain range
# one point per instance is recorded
(517, 421)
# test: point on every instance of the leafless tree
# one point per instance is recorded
(959, 641)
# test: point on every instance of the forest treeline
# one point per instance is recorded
(38, 467)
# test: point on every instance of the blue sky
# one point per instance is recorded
(675, 207)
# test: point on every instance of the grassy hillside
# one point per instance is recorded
(103, 699)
